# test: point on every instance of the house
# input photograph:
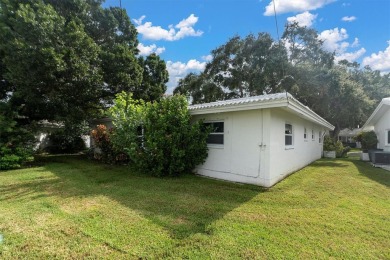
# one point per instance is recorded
(261, 139)
(45, 128)
(346, 136)
(379, 121)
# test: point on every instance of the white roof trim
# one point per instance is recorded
(282, 100)
(383, 106)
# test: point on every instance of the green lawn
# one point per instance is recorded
(72, 208)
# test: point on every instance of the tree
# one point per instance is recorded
(305, 47)
(343, 94)
(199, 89)
(16, 140)
(155, 75)
(66, 60)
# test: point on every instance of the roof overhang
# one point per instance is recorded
(380, 110)
(281, 100)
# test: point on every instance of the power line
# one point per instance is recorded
(276, 20)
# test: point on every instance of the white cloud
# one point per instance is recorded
(350, 56)
(286, 6)
(303, 19)
(178, 70)
(183, 29)
(334, 40)
(207, 57)
(379, 61)
(348, 18)
(147, 50)
(355, 43)
(139, 21)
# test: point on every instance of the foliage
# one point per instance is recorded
(343, 93)
(368, 140)
(65, 60)
(155, 75)
(158, 137)
(14, 157)
(331, 145)
(60, 142)
(107, 153)
(241, 67)
(16, 141)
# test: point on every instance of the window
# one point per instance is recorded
(217, 132)
(312, 135)
(288, 140)
(140, 135)
(320, 137)
(305, 133)
(388, 136)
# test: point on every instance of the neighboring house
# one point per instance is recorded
(45, 128)
(260, 140)
(346, 136)
(379, 121)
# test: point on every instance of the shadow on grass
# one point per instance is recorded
(376, 174)
(328, 163)
(183, 206)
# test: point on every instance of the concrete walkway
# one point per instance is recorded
(386, 167)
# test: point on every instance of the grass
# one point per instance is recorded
(72, 208)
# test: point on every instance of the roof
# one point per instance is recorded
(48, 124)
(349, 132)
(380, 110)
(281, 100)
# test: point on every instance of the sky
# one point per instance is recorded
(184, 32)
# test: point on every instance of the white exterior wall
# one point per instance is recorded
(381, 128)
(285, 160)
(254, 148)
(241, 158)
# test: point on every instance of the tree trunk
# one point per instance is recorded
(335, 133)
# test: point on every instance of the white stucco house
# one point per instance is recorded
(260, 140)
(379, 121)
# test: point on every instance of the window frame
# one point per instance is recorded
(313, 136)
(320, 137)
(387, 137)
(289, 146)
(305, 134)
(216, 133)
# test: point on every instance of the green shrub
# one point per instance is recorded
(16, 139)
(159, 137)
(368, 140)
(331, 145)
(106, 151)
(14, 158)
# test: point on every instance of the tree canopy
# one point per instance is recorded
(66, 60)
(343, 93)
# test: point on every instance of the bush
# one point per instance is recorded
(159, 137)
(60, 142)
(14, 158)
(16, 139)
(331, 145)
(368, 140)
(106, 152)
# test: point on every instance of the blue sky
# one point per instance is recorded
(183, 32)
